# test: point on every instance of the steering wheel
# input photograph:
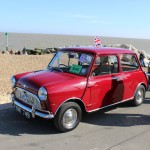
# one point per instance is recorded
(62, 65)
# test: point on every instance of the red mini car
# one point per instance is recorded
(77, 80)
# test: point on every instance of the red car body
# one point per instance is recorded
(90, 92)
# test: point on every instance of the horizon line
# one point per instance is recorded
(107, 36)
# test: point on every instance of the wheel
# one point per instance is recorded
(62, 65)
(139, 96)
(68, 117)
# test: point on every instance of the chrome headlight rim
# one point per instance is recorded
(42, 94)
(13, 81)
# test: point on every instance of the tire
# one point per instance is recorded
(139, 96)
(68, 117)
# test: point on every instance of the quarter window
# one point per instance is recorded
(128, 62)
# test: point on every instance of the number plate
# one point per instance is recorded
(23, 112)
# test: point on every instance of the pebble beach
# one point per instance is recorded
(14, 64)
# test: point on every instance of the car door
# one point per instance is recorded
(105, 83)
(130, 74)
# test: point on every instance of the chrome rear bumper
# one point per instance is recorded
(34, 112)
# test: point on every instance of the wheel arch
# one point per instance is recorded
(75, 100)
(138, 96)
(143, 84)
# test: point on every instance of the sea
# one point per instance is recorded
(17, 41)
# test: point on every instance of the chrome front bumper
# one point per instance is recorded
(34, 112)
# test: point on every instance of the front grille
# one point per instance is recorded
(27, 97)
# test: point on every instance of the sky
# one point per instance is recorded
(111, 18)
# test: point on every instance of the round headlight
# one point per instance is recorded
(42, 94)
(13, 81)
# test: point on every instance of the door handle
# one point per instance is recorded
(115, 77)
(118, 78)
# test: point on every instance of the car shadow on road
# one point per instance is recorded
(109, 117)
(13, 123)
(147, 101)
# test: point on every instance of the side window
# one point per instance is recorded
(128, 62)
(103, 65)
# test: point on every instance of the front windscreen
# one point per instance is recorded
(71, 62)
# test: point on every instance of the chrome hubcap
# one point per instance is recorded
(139, 96)
(70, 118)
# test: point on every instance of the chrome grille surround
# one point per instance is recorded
(27, 97)
(34, 112)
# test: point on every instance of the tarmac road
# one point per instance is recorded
(119, 128)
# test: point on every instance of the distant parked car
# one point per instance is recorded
(78, 80)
